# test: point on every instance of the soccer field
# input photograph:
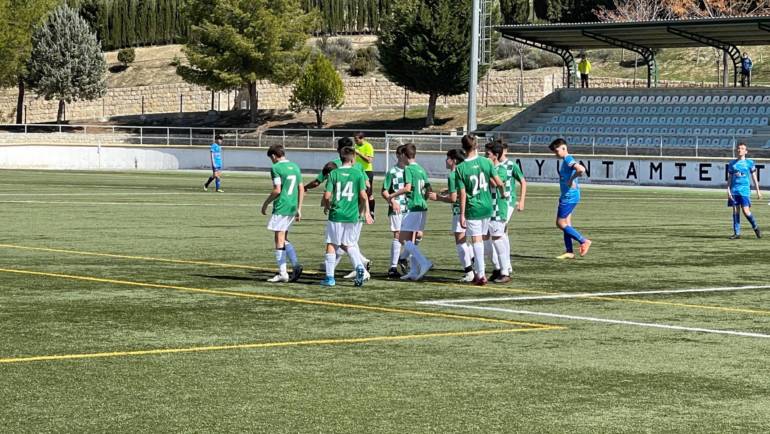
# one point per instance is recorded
(137, 302)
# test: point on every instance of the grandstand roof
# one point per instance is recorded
(738, 31)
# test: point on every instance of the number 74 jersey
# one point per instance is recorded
(473, 176)
(288, 176)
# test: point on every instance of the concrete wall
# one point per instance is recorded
(498, 88)
(682, 172)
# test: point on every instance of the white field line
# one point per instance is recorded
(606, 320)
(595, 294)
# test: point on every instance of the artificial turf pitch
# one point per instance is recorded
(137, 302)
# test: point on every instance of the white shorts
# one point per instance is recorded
(342, 234)
(280, 223)
(456, 228)
(496, 228)
(414, 221)
(476, 228)
(395, 222)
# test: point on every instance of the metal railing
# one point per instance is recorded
(200, 136)
(295, 138)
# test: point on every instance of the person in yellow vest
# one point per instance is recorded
(365, 157)
(584, 67)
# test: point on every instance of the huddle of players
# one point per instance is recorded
(481, 192)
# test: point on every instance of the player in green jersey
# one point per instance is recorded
(286, 197)
(464, 251)
(346, 203)
(515, 175)
(418, 191)
(394, 181)
(343, 142)
(496, 245)
(474, 176)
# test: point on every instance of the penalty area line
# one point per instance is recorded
(605, 320)
(597, 294)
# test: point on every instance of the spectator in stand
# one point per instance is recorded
(584, 67)
(746, 65)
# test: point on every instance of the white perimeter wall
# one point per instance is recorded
(684, 172)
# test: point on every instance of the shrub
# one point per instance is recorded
(338, 50)
(126, 56)
(364, 62)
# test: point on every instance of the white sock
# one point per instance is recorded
(478, 251)
(338, 258)
(280, 258)
(468, 254)
(360, 255)
(503, 254)
(491, 251)
(291, 254)
(415, 252)
(461, 254)
(355, 257)
(395, 252)
(331, 263)
(508, 243)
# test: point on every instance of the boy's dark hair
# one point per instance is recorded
(495, 148)
(218, 137)
(344, 142)
(347, 153)
(410, 151)
(400, 149)
(556, 143)
(277, 151)
(742, 144)
(502, 143)
(457, 155)
(328, 168)
(359, 135)
(469, 143)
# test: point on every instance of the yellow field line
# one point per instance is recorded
(455, 285)
(273, 345)
(276, 298)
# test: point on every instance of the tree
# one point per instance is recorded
(425, 45)
(66, 62)
(126, 56)
(237, 42)
(318, 88)
(16, 43)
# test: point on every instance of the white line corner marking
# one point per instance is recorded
(467, 304)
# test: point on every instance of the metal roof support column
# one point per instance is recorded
(730, 49)
(647, 54)
(565, 54)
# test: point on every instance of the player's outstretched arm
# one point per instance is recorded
(312, 184)
(522, 194)
(463, 199)
(326, 201)
(729, 183)
(363, 206)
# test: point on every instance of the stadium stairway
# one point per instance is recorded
(646, 118)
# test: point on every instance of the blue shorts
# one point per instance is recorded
(739, 200)
(565, 209)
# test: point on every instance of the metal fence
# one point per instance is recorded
(518, 141)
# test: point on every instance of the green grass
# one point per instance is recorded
(580, 377)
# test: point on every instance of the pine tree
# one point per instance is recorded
(425, 47)
(237, 42)
(66, 62)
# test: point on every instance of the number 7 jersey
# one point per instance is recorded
(473, 176)
(287, 175)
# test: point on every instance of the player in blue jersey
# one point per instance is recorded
(216, 164)
(569, 171)
(740, 172)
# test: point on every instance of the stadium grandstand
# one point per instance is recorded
(640, 121)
